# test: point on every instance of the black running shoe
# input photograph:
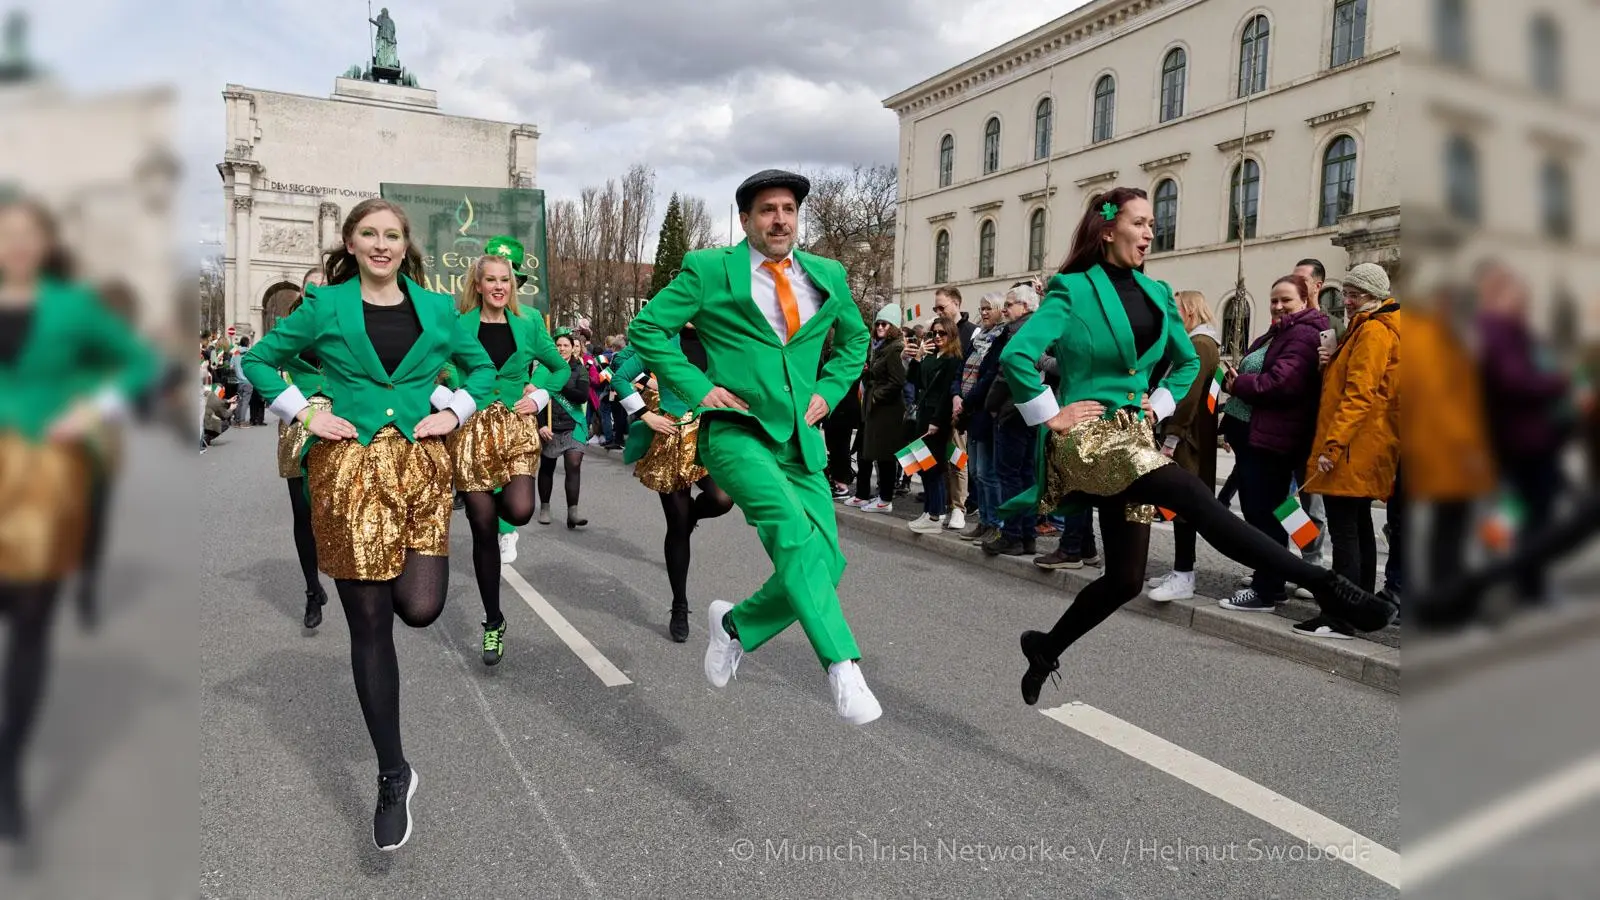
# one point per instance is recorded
(1342, 599)
(391, 824)
(494, 643)
(315, 600)
(1040, 666)
(678, 628)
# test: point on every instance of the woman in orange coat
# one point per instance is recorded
(1357, 448)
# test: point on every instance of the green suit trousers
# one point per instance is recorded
(792, 511)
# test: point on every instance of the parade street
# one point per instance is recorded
(595, 760)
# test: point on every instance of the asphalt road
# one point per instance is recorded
(540, 780)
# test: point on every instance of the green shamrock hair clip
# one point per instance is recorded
(1109, 211)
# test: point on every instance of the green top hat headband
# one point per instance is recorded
(509, 249)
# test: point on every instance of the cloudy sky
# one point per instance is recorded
(705, 91)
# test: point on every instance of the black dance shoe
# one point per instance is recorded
(1348, 602)
(679, 627)
(315, 600)
(391, 823)
(1040, 666)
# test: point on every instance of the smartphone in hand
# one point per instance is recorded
(1329, 339)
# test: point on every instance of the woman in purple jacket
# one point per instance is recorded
(1283, 397)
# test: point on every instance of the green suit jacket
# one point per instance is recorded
(76, 351)
(303, 375)
(1082, 324)
(627, 369)
(533, 345)
(744, 355)
(330, 321)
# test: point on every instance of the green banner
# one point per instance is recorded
(451, 224)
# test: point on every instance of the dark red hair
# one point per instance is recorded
(1088, 241)
(1301, 286)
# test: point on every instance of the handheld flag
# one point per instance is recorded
(1215, 397)
(915, 458)
(1295, 521)
(1166, 515)
(958, 457)
(1500, 528)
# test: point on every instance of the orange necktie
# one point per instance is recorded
(786, 301)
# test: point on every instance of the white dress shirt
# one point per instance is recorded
(764, 290)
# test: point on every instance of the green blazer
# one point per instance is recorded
(744, 355)
(76, 351)
(626, 370)
(303, 375)
(533, 345)
(1082, 324)
(330, 321)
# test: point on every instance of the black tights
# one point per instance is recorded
(28, 609)
(305, 542)
(94, 542)
(514, 504)
(547, 476)
(1127, 545)
(417, 597)
(683, 514)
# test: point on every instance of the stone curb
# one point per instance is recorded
(1360, 660)
(1435, 660)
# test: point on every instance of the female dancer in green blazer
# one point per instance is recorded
(305, 373)
(1108, 325)
(378, 471)
(663, 441)
(67, 365)
(497, 454)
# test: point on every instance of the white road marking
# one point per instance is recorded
(610, 675)
(1315, 829)
(1499, 821)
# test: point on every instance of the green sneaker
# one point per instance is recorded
(494, 643)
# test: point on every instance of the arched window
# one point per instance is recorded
(1253, 56)
(1555, 196)
(941, 257)
(991, 147)
(986, 249)
(1461, 178)
(1174, 72)
(1166, 214)
(1235, 326)
(1036, 241)
(1545, 52)
(1043, 117)
(1244, 199)
(947, 160)
(1450, 31)
(1105, 108)
(1338, 181)
(1349, 31)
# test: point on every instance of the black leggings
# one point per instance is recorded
(1127, 546)
(305, 542)
(28, 610)
(514, 504)
(547, 476)
(94, 539)
(683, 514)
(417, 597)
(1355, 546)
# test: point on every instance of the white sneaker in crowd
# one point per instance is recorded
(856, 502)
(852, 697)
(957, 520)
(878, 506)
(1158, 581)
(1178, 586)
(925, 524)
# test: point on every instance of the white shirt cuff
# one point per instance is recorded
(289, 404)
(632, 403)
(540, 398)
(1161, 401)
(462, 405)
(1040, 409)
(441, 398)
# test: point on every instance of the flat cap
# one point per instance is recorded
(771, 178)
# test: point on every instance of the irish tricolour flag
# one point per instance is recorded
(916, 458)
(1216, 397)
(1295, 521)
(1499, 530)
(958, 457)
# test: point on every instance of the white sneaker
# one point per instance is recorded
(508, 548)
(1302, 593)
(856, 502)
(958, 520)
(723, 652)
(1179, 586)
(877, 506)
(1159, 580)
(925, 524)
(851, 696)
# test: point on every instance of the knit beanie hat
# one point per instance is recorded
(890, 313)
(1370, 279)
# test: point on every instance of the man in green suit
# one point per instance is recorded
(763, 311)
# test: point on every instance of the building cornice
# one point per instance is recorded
(1037, 195)
(1098, 179)
(1165, 162)
(945, 216)
(1257, 138)
(1360, 109)
(985, 207)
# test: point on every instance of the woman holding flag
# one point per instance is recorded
(1109, 325)
(935, 363)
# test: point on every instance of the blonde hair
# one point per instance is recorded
(471, 298)
(1193, 307)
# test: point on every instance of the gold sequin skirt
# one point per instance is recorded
(369, 505)
(669, 465)
(292, 440)
(494, 446)
(1101, 457)
(44, 509)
